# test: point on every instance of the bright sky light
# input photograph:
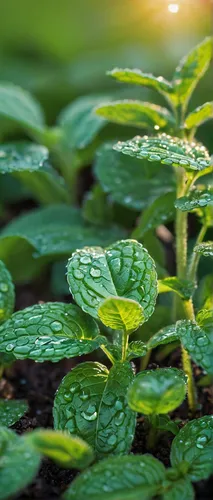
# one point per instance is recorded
(173, 8)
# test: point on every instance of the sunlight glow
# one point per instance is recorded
(173, 8)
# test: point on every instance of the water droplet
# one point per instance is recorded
(78, 274)
(119, 405)
(85, 394)
(4, 287)
(112, 440)
(56, 326)
(119, 418)
(85, 259)
(74, 387)
(88, 416)
(201, 441)
(67, 396)
(9, 347)
(95, 273)
(202, 341)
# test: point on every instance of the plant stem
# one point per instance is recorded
(108, 354)
(125, 340)
(181, 256)
(145, 360)
(152, 435)
(192, 271)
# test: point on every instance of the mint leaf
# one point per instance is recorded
(197, 342)
(199, 115)
(137, 77)
(79, 122)
(167, 150)
(120, 313)
(197, 198)
(157, 391)
(206, 249)
(136, 349)
(20, 106)
(180, 488)
(204, 319)
(159, 212)
(53, 232)
(164, 423)
(115, 478)
(11, 411)
(7, 293)
(136, 114)
(19, 463)
(194, 445)
(125, 269)
(91, 403)
(50, 331)
(69, 452)
(164, 336)
(183, 288)
(132, 184)
(190, 70)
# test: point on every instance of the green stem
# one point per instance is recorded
(145, 360)
(153, 432)
(192, 271)
(108, 354)
(181, 256)
(125, 340)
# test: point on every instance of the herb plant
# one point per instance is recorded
(115, 285)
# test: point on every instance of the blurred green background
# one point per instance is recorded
(59, 49)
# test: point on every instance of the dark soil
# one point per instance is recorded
(37, 384)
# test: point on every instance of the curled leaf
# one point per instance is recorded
(136, 114)
(120, 313)
(183, 288)
(199, 115)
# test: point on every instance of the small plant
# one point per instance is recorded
(115, 287)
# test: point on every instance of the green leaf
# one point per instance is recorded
(204, 294)
(19, 463)
(79, 122)
(190, 70)
(69, 452)
(179, 489)
(6, 359)
(130, 477)
(197, 198)
(136, 114)
(168, 150)
(97, 208)
(206, 249)
(125, 269)
(137, 77)
(29, 163)
(136, 349)
(199, 115)
(11, 411)
(50, 331)
(159, 212)
(91, 403)
(164, 423)
(198, 344)
(157, 391)
(52, 232)
(204, 319)
(183, 288)
(194, 446)
(21, 107)
(133, 184)
(22, 156)
(7, 293)
(164, 336)
(120, 313)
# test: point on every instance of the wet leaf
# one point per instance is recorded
(7, 293)
(136, 114)
(11, 411)
(199, 115)
(125, 269)
(181, 488)
(20, 106)
(136, 349)
(120, 313)
(127, 477)
(157, 391)
(164, 336)
(50, 331)
(167, 150)
(19, 463)
(194, 446)
(22, 156)
(206, 249)
(197, 342)
(196, 199)
(190, 70)
(161, 211)
(204, 319)
(69, 452)
(134, 184)
(183, 288)
(91, 403)
(137, 77)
